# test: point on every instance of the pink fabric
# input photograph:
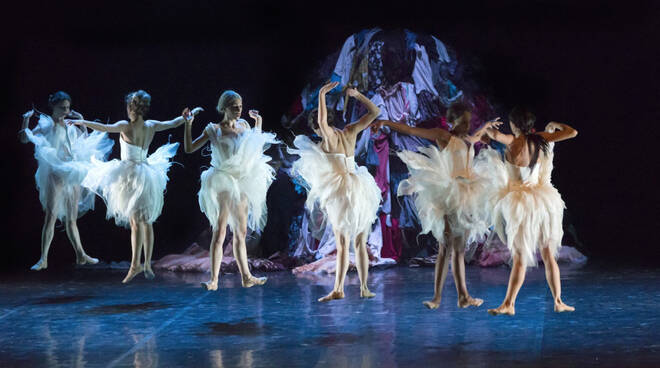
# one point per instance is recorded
(392, 244)
(382, 148)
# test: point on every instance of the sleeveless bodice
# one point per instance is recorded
(58, 136)
(342, 163)
(223, 147)
(131, 152)
(461, 157)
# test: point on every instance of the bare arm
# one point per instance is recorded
(26, 122)
(434, 134)
(258, 120)
(326, 130)
(496, 135)
(372, 114)
(555, 132)
(476, 136)
(118, 127)
(174, 123)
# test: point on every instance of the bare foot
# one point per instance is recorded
(502, 309)
(210, 285)
(148, 273)
(432, 304)
(132, 272)
(332, 296)
(85, 259)
(41, 265)
(251, 281)
(561, 307)
(469, 301)
(365, 293)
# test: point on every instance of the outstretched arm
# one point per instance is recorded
(555, 132)
(496, 135)
(176, 122)
(372, 114)
(118, 127)
(326, 130)
(435, 134)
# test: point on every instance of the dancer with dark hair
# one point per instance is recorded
(233, 190)
(133, 187)
(526, 209)
(450, 192)
(63, 153)
(347, 193)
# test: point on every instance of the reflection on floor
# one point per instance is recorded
(87, 318)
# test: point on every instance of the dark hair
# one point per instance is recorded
(524, 120)
(313, 118)
(456, 111)
(139, 101)
(58, 97)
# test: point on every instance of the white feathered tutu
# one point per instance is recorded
(64, 154)
(239, 168)
(347, 193)
(134, 185)
(446, 184)
(526, 209)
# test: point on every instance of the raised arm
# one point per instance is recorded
(189, 145)
(555, 132)
(372, 114)
(118, 127)
(434, 134)
(325, 129)
(498, 136)
(476, 136)
(26, 122)
(254, 114)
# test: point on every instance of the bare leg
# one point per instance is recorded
(72, 231)
(441, 266)
(240, 250)
(218, 239)
(47, 232)
(362, 262)
(458, 270)
(148, 243)
(516, 280)
(343, 242)
(137, 239)
(554, 281)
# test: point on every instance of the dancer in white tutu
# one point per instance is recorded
(133, 186)
(347, 193)
(451, 191)
(527, 210)
(64, 154)
(233, 190)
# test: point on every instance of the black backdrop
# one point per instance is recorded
(593, 65)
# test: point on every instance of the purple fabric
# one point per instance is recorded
(382, 148)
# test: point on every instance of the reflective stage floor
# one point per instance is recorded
(87, 318)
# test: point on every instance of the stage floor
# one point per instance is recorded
(86, 317)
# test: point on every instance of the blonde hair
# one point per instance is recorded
(227, 97)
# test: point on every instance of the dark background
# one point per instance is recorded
(593, 65)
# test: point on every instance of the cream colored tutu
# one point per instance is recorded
(347, 193)
(239, 169)
(526, 209)
(134, 185)
(446, 184)
(64, 154)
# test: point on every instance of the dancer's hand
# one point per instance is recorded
(352, 92)
(197, 110)
(328, 87)
(552, 127)
(74, 122)
(28, 114)
(495, 123)
(76, 115)
(376, 126)
(254, 114)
